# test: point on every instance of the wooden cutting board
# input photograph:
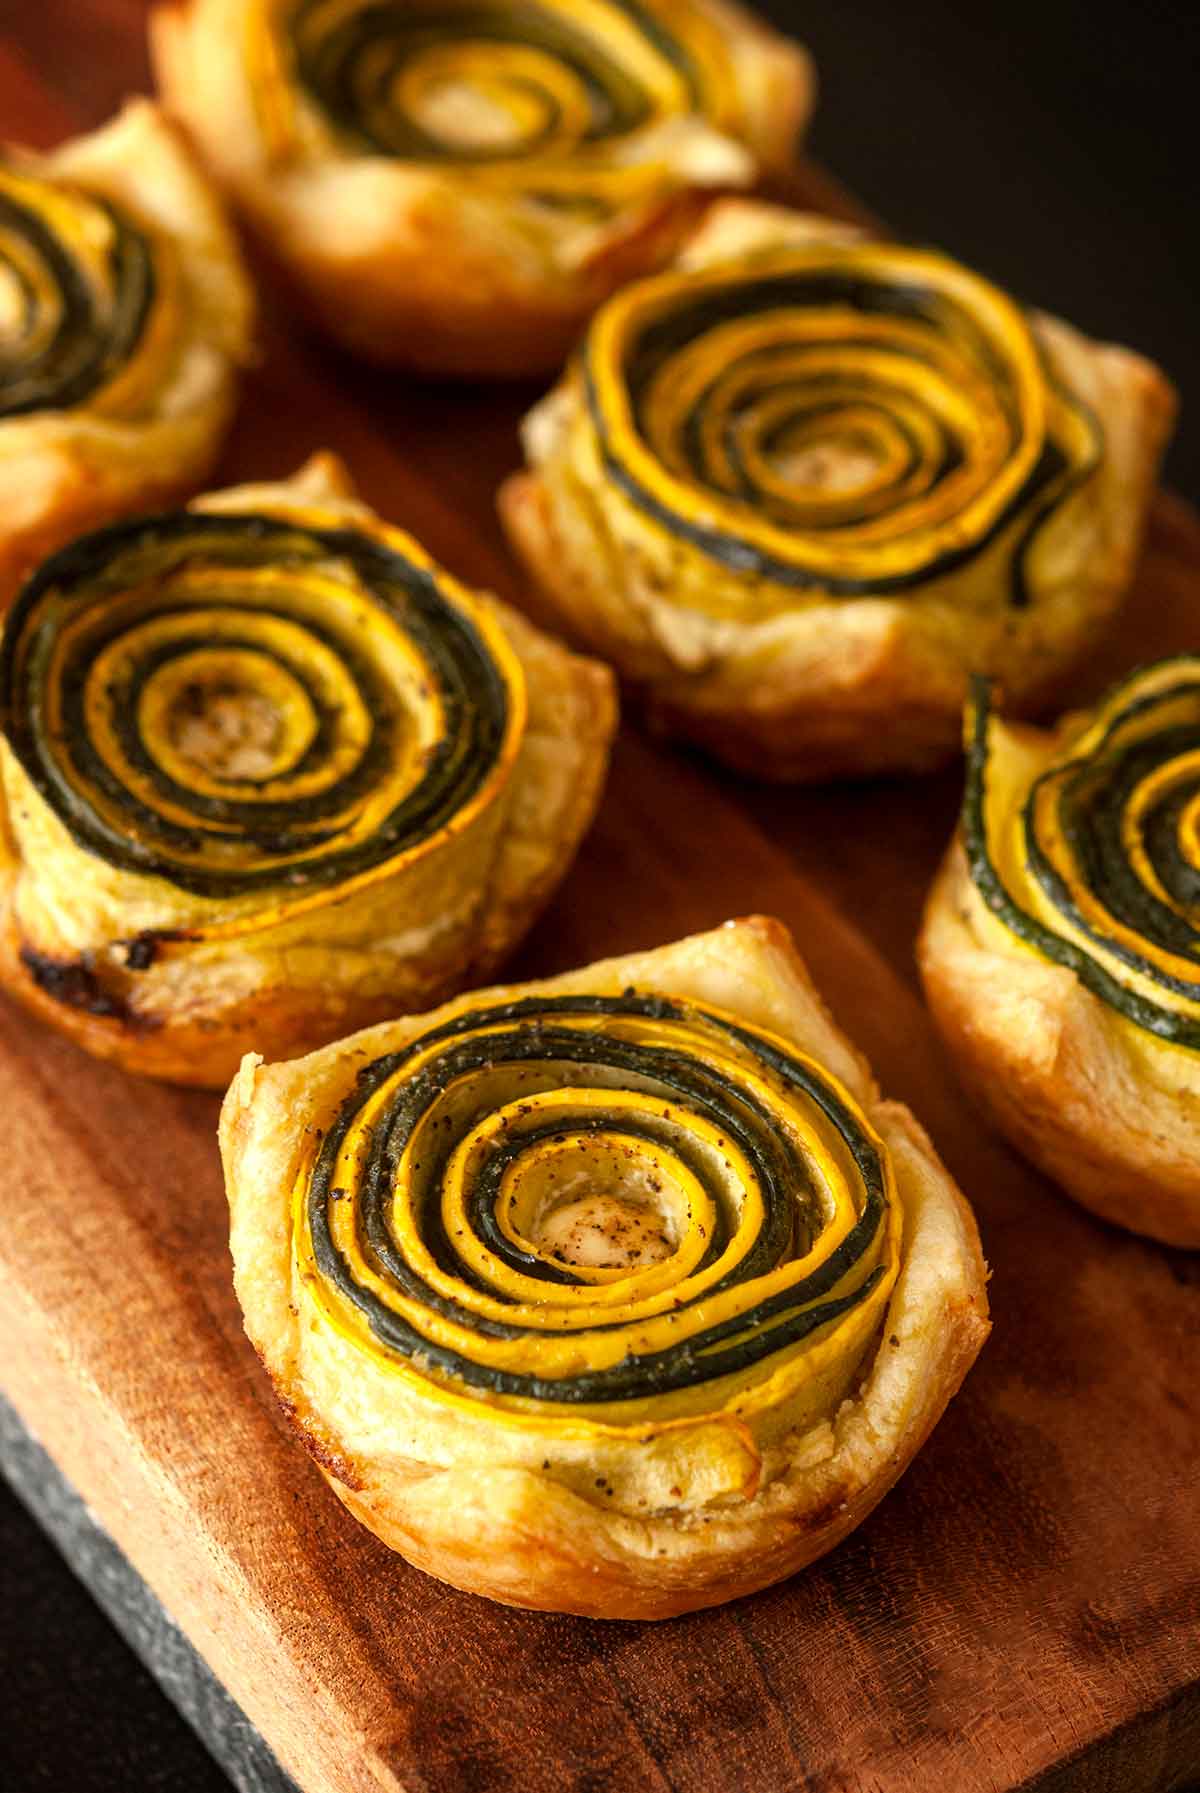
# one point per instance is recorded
(1024, 1610)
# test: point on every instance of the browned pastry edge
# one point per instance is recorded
(86, 503)
(1045, 1061)
(441, 307)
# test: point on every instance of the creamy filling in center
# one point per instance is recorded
(464, 116)
(226, 730)
(835, 466)
(606, 1232)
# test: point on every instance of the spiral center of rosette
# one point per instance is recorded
(230, 728)
(246, 703)
(843, 420)
(604, 1182)
(599, 1201)
(78, 282)
(604, 1232)
(801, 458)
(490, 84)
(478, 100)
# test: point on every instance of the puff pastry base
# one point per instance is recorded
(485, 1516)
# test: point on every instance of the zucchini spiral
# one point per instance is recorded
(369, 708)
(618, 1294)
(80, 281)
(259, 728)
(847, 421)
(124, 316)
(772, 1200)
(805, 484)
(539, 93)
(1097, 865)
(490, 169)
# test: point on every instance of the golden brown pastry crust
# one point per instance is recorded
(518, 1518)
(814, 688)
(423, 264)
(1104, 1106)
(1040, 1057)
(65, 471)
(179, 985)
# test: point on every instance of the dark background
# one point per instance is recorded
(1053, 146)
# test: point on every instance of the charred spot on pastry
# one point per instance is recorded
(142, 950)
(74, 983)
(816, 1518)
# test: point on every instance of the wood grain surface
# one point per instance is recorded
(1024, 1610)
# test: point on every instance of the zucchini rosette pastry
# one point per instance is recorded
(125, 315)
(803, 485)
(455, 187)
(1061, 945)
(270, 774)
(619, 1294)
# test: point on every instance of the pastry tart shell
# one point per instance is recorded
(178, 980)
(442, 269)
(494, 1516)
(812, 686)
